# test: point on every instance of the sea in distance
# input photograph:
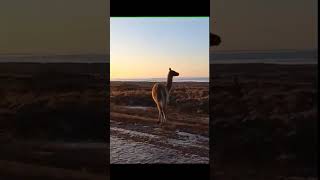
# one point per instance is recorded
(267, 57)
(175, 79)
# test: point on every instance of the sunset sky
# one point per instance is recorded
(147, 47)
(82, 26)
(54, 26)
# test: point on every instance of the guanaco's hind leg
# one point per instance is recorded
(165, 111)
(164, 114)
(160, 114)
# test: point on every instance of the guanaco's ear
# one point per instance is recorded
(169, 69)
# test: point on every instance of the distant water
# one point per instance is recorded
(272, 57)
(176, 79)
(69, 58)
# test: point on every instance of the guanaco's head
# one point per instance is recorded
(173, 73)
(215, 40)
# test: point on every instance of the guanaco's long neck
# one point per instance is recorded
(169, 83)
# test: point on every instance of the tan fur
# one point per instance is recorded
(160, 95)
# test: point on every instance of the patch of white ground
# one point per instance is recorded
(129, 151)
(124, 151)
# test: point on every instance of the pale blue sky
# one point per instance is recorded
(147, 47)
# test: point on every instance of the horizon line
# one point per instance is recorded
(108, 54)
(185, 77)
(159, 16)
(263, 50)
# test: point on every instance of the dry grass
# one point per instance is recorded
(265, 120)
(185, 97)
(62, 103)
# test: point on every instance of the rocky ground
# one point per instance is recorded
(136, 137)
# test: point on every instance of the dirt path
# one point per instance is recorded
(133, 143)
